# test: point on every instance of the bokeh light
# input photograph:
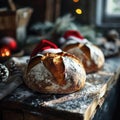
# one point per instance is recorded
(78, 11)
(76, 1)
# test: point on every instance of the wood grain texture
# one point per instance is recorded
(81, 105)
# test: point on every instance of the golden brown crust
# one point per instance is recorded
(83, 52)
(57, 76)
(33, 62)
(54, 64)
(70, 46)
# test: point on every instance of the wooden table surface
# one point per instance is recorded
(81, 105)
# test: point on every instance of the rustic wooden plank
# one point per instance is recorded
(107, 109)
(13, 115)
(81, 104)
(29, 116)
(85, 101)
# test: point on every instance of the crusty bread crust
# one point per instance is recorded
(58, 73)
(90, 55)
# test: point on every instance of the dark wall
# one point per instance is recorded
(38, 9)
(68, 6)
(37, 5)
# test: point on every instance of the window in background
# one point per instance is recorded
(108, 13)
(113, 7)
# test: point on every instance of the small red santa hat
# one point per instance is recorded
(45, 46)
(72, 35)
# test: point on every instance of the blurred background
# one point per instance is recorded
(29, 21)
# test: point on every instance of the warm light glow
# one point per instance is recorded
(3, 55)
(4, 52)
(7, 53)
(75, 0)
(78, 11)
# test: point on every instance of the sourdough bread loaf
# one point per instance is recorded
(55, 72)
(90, 55)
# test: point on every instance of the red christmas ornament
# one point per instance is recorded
(9, 42)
